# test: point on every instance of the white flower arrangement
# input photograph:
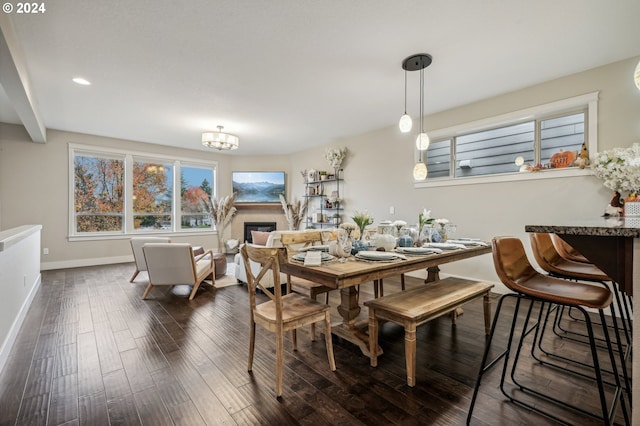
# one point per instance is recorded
(399, 224)
(619, 168)
(335, 156)
(349, 227)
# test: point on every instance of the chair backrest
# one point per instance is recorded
(544, 251)
(301, 239)
(170, 263)
(136, 247)
(269, 259)
(567, 251)
(511, 263)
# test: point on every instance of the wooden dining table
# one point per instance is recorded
(345, 276)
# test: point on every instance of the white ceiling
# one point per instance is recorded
(285, 75)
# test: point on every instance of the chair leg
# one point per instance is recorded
(195, 289)
(279, 360)
(252, 344)
(294, 339)
(135, 274)
(313, 325)
(327, 338)
(402, 286)
(147, 290)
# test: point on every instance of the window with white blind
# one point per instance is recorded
(528, 144)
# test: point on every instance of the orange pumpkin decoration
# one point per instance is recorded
(562, 159)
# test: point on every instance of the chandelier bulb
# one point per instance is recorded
(422, 141)
(405, 123)
(420, 171)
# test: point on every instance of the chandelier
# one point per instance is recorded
(220, 140)
(417, 62)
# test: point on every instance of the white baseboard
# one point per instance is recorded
(17, 324)
(46, 266)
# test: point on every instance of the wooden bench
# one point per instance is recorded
(415, 307)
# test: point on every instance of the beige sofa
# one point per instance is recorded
(274, 240)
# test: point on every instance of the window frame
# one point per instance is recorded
(129, 157)
(588, 103)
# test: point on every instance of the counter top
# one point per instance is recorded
(602, 227)
(12, 236)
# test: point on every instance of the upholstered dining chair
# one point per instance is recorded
(174, 264)
(566, 250)
(138, 255)
(281, 312)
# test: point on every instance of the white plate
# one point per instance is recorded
(445, 246)
(323, 257)
(418, 250)
(376, 255)
(468, 242)
(314, 248)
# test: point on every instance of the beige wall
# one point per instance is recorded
(377, 172)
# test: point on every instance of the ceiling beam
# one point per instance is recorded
(14, 79)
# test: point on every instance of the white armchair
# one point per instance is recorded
(138, 256)
(174, 264)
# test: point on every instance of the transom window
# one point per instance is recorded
(116, 193)
(528, 144)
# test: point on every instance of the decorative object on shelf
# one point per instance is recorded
(222, 212)
(220, 140)
(583, 158)
(417, 62)
(362, 219)
(294, 212)
(632, 205)
(304, 175)
(335, 156)
(323, 174)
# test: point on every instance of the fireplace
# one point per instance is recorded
(257, 226)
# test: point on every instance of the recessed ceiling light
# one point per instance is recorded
(82, 81)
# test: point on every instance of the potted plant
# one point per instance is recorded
(222, 212)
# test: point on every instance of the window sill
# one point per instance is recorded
(121, 236)
(505, 177)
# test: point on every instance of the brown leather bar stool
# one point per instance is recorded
(517, 274)
(550, 260)
(567, 251)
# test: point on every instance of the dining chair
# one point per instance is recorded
(567, 251)
(527, 284)
(138, 255)
(280, 313)
(174, 264)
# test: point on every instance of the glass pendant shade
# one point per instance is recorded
(405, 123)
(636, 76)
(420, 171)
(422, 141)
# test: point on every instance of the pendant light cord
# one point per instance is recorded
(405, 92)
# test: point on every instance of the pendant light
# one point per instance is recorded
(405, 123)
(419, 62)
(220, 140)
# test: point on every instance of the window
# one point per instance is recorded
(196, 193)
(487, 150)
(98, 193)
(115, 193)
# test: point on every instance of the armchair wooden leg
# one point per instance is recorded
(194, 291)
(147, 291)
(135, 274)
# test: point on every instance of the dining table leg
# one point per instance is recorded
(349, 309)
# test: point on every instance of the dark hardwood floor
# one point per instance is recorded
(92, 352)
